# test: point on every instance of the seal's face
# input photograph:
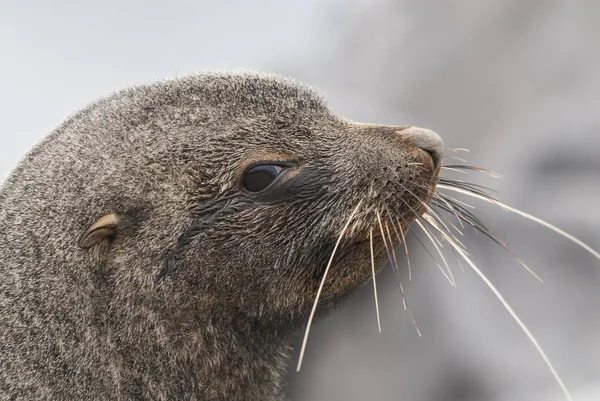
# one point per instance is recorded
(262, 182)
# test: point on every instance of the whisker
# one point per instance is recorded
(476, 169)
(404, 302)
(530, 217)
(463, 211)
(414, 322)
(396, 263)
(428, 208)
(374, 280)
(514, 315)
(430, 236)
(477, 188)
(432, 212)
(453, 211)
(314, 308)
(436, 195)
(457, 230)
(460, 159)
(495, 239)
(454, 236)
(457, 150)
(387, 229)
(393, 263)
(454, 169)
(426, 249)
(389, 252)
(458, 260)
(437, 228)
(403, 240)
(448, 197)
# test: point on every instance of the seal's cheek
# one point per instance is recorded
(351, 269)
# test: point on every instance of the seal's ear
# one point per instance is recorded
(104, 228)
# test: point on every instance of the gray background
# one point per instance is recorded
(517, 82)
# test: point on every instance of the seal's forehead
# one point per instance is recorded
(246, 91)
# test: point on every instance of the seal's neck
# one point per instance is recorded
(209, 357)
(239, 361)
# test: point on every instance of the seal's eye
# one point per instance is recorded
(260, 177)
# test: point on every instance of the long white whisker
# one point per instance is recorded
(454, 199)
(404, 302)
(390, 252)
(462, 268)
(374, 280)
(455, 228)
(529, 269)
(427, 207)
(528, 216)
(406, 250)
(434, 224)
(414, 323)
(403, 240)
(455, 170)
(466, 169)
(430, 236)
(430, 254)
(457, 240)
(437, 196)
(394, 262)
(501, 244)
(387, 230)
(383, 237)
(314, 308)
(460, 159)
(514, 315)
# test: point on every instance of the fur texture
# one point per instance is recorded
(196, 291)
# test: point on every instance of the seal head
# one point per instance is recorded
(166, 241)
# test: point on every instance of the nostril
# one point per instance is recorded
(435, 156)
(428, 141)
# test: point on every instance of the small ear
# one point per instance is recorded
(104, 228)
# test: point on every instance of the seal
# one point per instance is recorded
(167, 241)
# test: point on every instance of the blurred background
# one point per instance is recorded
(516, 82)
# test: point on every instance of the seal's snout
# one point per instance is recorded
(428, 141)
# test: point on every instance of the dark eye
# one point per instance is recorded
(260, 177)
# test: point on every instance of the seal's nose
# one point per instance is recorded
(428, 141)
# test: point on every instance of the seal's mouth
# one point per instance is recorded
(354, 248)
(383, 227)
